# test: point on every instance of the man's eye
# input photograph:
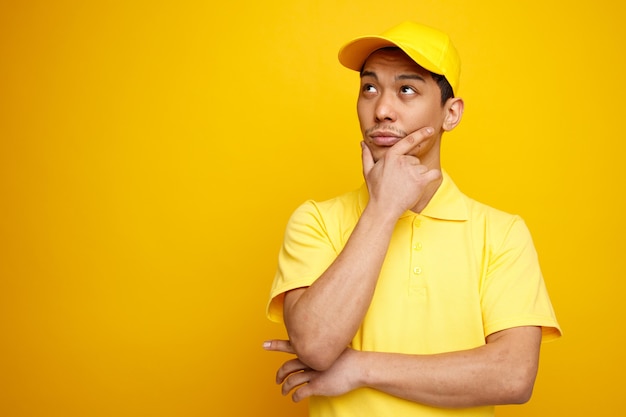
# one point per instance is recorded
(369, 88)
(407, 90)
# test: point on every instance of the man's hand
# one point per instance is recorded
(303, 382)
(398, 181)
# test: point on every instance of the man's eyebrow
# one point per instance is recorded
(399, 77)
(410, 77)
(369, 74)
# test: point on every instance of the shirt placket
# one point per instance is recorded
(417, 274)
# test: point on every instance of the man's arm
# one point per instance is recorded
(322, 319)
(502, 371)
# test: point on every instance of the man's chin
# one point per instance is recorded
(378, 153)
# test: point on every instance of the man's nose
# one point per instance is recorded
(385, 110)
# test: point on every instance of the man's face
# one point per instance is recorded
(396, 98)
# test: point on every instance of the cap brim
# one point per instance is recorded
(353, 54)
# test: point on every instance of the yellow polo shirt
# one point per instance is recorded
(453, 274)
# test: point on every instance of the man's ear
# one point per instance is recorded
(454, 112)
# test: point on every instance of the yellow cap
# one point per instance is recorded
(431, 49)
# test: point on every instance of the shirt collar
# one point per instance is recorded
(448, 203)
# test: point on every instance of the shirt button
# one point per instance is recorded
(417, 246)
(417, 222)
(417, 270)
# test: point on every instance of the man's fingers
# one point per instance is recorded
(298, 383)
(432, 175)
(288, 368)
(410, 142)
(368, 159)
(295, 380)
(278, 346)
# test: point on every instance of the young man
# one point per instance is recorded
(405, 297)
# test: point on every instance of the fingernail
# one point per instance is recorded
(267, 345)
(429, 130)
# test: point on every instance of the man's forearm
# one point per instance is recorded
(322, 319)
(501, 372)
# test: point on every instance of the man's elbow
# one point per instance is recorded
(519, 396)
(316, 357)
(519, 389)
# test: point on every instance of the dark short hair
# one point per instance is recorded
(444, 86)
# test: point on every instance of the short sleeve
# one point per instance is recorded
(514, 292)
(306, 253)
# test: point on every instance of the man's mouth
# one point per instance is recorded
(384, 138)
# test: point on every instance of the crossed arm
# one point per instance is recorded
(500, 372)
(322, 319)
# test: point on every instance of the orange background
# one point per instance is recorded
(151, 153)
